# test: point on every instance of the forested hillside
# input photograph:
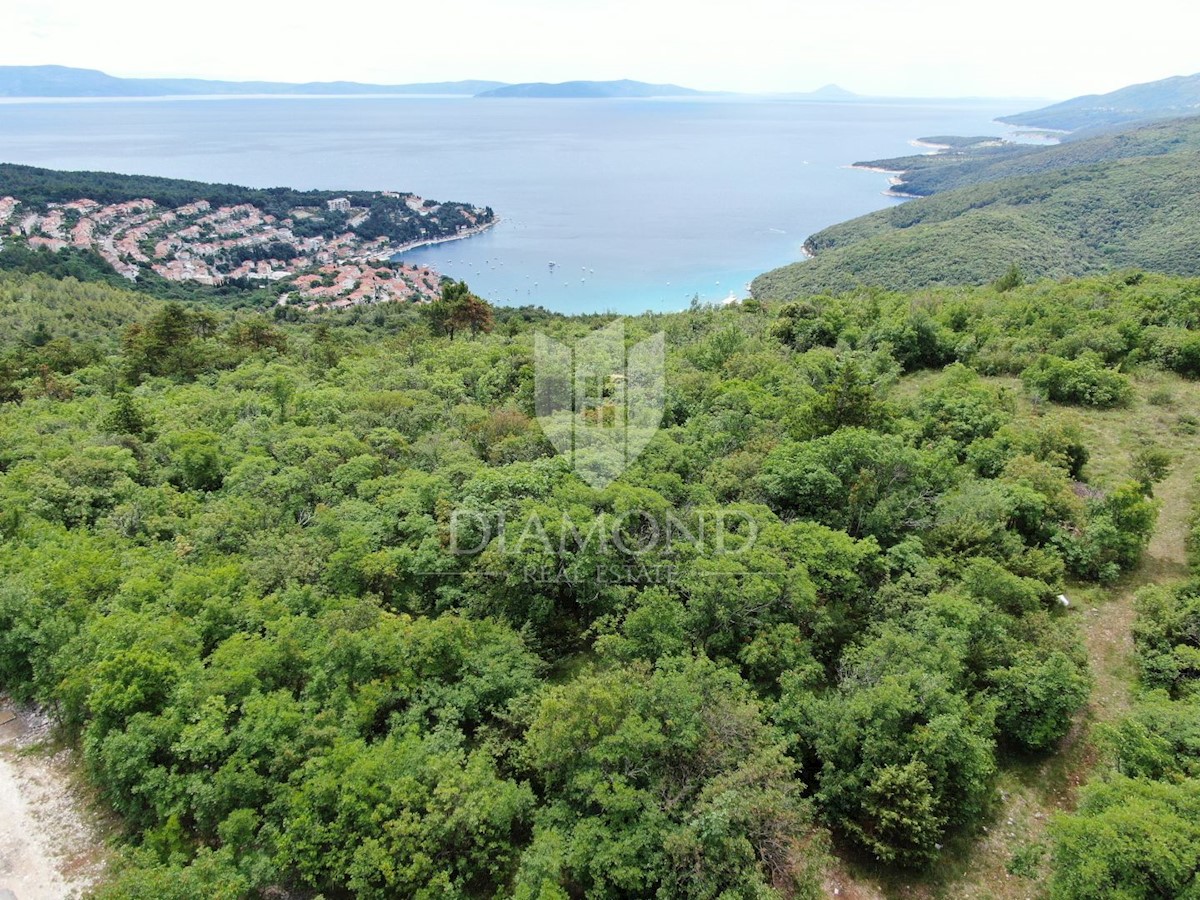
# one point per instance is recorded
(1140, 208)
(1177, 96)
(976, 162)
(324, 613)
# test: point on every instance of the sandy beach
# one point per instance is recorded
(881, 171)
(936, 148)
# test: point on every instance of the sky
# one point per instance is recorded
(935, 48)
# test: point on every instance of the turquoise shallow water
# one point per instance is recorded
(640, 204)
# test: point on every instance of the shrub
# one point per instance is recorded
(1084, 381)
(1038, 694)
(1117, 531)
(1129, 838)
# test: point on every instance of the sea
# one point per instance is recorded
(605, 205)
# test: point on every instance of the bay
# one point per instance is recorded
(639, 204)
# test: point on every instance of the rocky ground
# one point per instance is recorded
(49, 845)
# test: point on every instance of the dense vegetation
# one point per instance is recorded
(88, 265)
(232, 564)
(1069, 220)
(1136, 832)
(71, 262)
(389, 217)
(969, 161)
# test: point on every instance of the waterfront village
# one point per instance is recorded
(214, 245)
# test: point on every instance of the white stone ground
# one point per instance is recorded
(48, 849)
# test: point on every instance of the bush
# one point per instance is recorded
(1038, 694)
(1161, 397)
(1084, 381)
(1117, 531)
(860, 481)
(1026, 860)
(1151, 465)
(1129, 839)
(1167, 634)
(962, 407)
(1159, 740)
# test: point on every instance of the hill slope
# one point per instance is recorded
(1169, 97)
(1076, 218)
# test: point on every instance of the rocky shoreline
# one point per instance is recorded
(895, 180)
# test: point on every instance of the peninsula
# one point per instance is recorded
(982, 209)
(314, 247)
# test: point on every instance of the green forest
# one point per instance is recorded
(90, 266)
(973, 160)
(1087, 206)
(325, 615)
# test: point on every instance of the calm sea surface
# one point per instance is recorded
(640, 204)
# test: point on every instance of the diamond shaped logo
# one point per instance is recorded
(599, 402)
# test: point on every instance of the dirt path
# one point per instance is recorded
(1033, 790)
(48, 847)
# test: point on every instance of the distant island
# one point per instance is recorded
(34, 82)
(830, 92)
(312, 247)
(591, 90)
(65, 81)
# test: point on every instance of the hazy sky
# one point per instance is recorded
(1028, 48)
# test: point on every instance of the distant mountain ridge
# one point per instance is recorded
(591, 89)
(66, 81)
(53, 81)
(1167, 98)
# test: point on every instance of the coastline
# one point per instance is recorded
(392, 252)
(876, 169)
(895, 181)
